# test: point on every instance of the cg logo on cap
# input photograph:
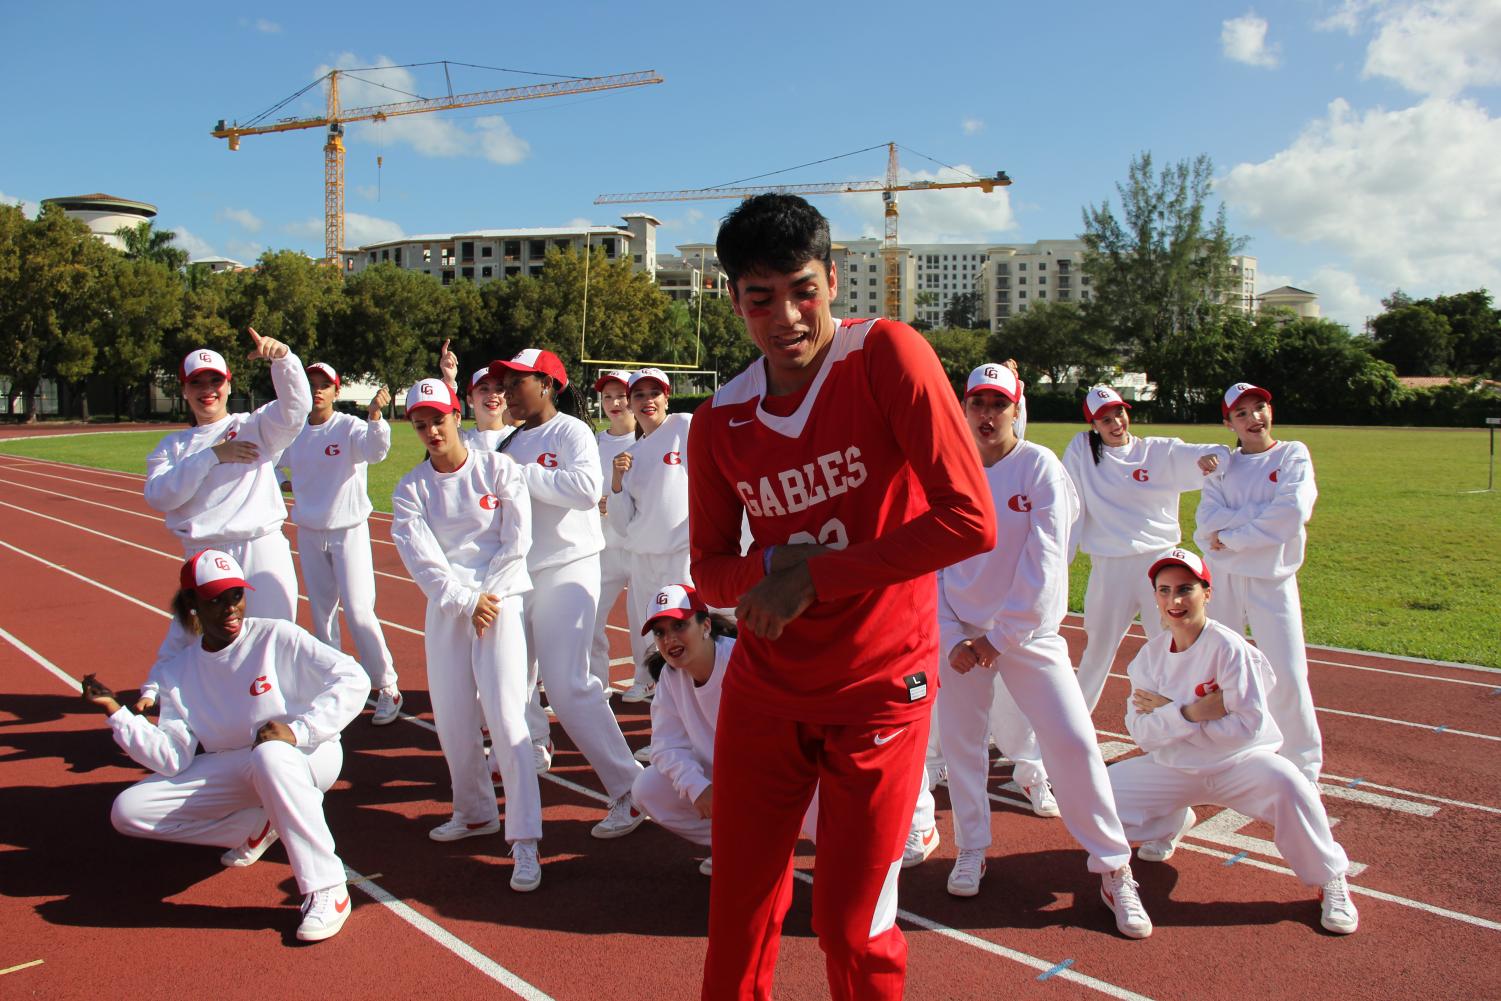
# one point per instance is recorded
(221, 563)
(661, 597)
(427, 389)
(991, 372)
(205, 357)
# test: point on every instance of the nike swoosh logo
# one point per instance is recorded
(742, 422)
(255, 842)
(888, 738)
(341, 908)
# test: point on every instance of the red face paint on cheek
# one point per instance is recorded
(808, 306)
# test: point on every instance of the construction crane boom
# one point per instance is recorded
(887, 187)
(336, 118)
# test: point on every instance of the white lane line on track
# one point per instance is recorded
(1443, 728)
(1409, 674)
(1326, 777)
(87, 580)
(171, 556)
(1391, 898)
(431, 929)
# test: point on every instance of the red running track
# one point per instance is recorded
(85, 567)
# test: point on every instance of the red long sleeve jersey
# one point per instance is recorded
(876, 463)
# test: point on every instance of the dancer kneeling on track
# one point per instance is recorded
(1129, 490)
(613, 387)
(648, 498)
(327, 466)
(216, 481)
(998, 617)
(560, 461)
(1199, 709)
(462, 524)
(265, 702)
(844, 446)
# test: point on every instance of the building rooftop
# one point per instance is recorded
(1289, 290)
(536, 233)
(99, 201)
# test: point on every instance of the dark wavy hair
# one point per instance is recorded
(772, 233)
(719, 625)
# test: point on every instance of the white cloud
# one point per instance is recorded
(196, 246)
(308, 228)
(244, 251)
(430, 134)
(580, 222)
(360, 229)
(1406, 197)
(1342, 298)
(957, 215)
(1243, 39)
(1438, 47)
(244, 217)
(267, 27)
(1347, 17)
(28, 207)
(972, 126)
(369, 192)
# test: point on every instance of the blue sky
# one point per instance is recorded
(1355, 140)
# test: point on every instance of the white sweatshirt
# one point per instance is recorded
(610, 446)
(464, 533)
(328, 464)
(274, 670)
(1128, 503)
(1260, 507)
(651, 509)
(560, 461)
(486, 441)
(683, 718)
(207, 501)
(1019, 589)
(1218, 659)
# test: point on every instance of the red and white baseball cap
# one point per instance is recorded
(1100, 397)
(477, 376)
(1235, 392)
(203, 360)
(996, 378)
(432, 393)
(211, 573)
(619, 375)
(326, 369)
(1190, 561)
(535, 360)
(653, 374)
(675, 601)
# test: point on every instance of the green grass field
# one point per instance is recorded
(1400, 559)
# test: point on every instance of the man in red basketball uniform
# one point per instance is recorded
(846, 449)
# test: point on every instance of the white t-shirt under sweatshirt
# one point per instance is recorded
(651, 509)
(207, 501)
(1219, 659)
(683, 718)
(1260, 507)
(328, 464)
(464, 532)
(611, 445)
(560, 461)
(1019, 589)
(1128, 502)
(274, 670)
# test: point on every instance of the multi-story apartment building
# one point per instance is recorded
(1242, 292)
(1018, 275)
(695, 267)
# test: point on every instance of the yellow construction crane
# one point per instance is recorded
(888, 188)
(337, 117)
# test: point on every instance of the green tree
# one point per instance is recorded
(140, 304)
(959, 351)
(923, 301)
(706, 328)
(963, 311)
(144, 242)
(390, 326)
(1319, 372)
(1476, 329)
(1053, 339)
(292, 298)
(1415, 339)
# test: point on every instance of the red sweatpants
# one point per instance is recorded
(765, 773)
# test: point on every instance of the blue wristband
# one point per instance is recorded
(766, 559)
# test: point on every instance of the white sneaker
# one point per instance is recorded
(643, 755)
(969, 869)
(707, 866)
(938, 777)
(455, 830)
(387, 706)
(1118, 891)
(324, 913)
(1339, 914)
(920, 844)
(251, 849)
(622, 819)
(542, 754)
(526, 867)
(639, 692)
(1043, 803)
(1162, 850)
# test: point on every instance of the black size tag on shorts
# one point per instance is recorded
(917, 686)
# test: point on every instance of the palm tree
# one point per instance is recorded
(143, 241)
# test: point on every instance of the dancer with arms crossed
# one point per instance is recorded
(844, 446)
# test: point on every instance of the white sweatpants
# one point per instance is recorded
(461, 664)
(1012, 734)
(650, 572)
(559, 629)
(1152, 799)
(267, 562)
(1118, 590)
(655, 796)
(614, 574)
(338, 570)
(1040, 679)
(225, 797)
(1275, 614)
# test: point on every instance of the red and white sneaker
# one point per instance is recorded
(324, 913)
(1339, 914)
(251, 849)
(1041, 798)
(455, 830)
(387, 706)
(622, 819)
(1119, 892)
(969, 869)
(920, 844)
